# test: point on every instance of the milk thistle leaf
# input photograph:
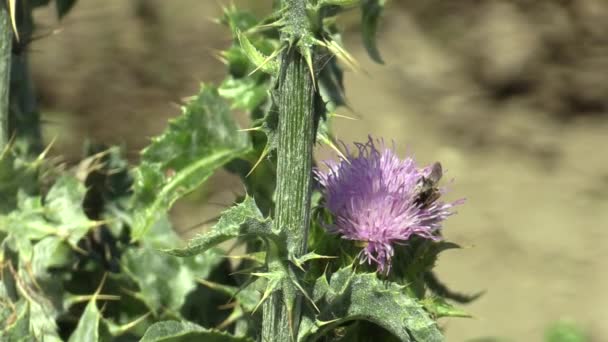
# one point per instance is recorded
(91, 326)
(243, 219)
(201, 140)
(375, 198)
(268, 64)
(351, 296)
(174, 331)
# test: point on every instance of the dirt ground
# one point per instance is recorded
(511, 97)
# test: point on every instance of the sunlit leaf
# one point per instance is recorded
(244, 93)
(61, 215)
(17, 323)
(198, 142)
(267, 64)
(173, 331)
(438, 307)
(351, 296)
(63, 206)
(91, 326)
(164, 281)
(15, 174)
(342, 3)
(242, 219)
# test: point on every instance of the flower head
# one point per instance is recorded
(377, 198)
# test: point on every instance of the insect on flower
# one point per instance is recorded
(427, 186)
(379, 200)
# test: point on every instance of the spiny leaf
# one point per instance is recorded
(16, 174)
(198, 142)
(362, 296)
(62, 214)
(341, 3)
(438, 307)
(371, 10)
(267, 64)
(238, 20)
(247, 297)
(245, 93)
(91, 326)
(164, 281)
(242, 219)
(173, 331)
(19, 287)
(63, 206)
(17, 324)
(310, 256)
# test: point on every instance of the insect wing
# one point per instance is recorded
(436, 173)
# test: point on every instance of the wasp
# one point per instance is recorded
(426, 188)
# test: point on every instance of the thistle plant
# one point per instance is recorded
(337, 253)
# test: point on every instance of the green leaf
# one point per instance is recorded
(362, 296)
(91, 326)
(244, 93)
(242, 219)
(16, 175)
(61, 216)
(267, 64)
(371, 10)
(438, 307)
(64, 6)
(198, 142)
(17, 324)
(27, 223)
(164, 281)
(63, 206)
(238, 19)
(174, 331)
(341, 3)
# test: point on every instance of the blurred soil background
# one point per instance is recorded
(511, 96)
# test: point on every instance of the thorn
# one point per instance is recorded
(250, 129)
(12, 6)
(343, 116)
(219, 55)
(331, 144)
(262, 156)
(103, 281)
(268, 59)
(308, 57)
(47, 149)
(263, 27)
(306, 296)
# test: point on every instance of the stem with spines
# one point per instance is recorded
(5, 69)
(295, 97)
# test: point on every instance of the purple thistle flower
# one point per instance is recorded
(375, 198)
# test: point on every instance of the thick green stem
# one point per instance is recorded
(294, 180)
(5, 67)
